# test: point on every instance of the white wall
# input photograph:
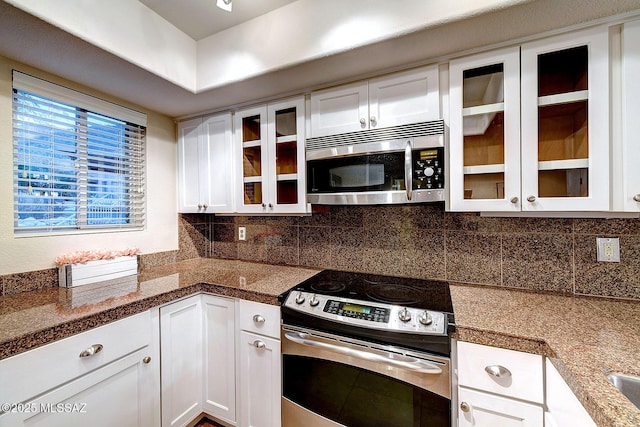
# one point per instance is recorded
(19, 254)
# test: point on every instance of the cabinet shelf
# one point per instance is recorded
(287, 177)
(563, 98)
(251, 144)
(483, 109)
(482, 169)
(248, 179)
(563, 164)
(286, 138)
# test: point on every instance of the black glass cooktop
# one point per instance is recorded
(407, 292)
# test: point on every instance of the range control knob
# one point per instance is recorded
(299, 298)
(404, 315)
(428, 171)
(314, 301)
(425, 318)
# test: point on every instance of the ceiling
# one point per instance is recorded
(201, 18)
(43, 46)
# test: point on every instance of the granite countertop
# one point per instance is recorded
(31, 319)
(583, 336)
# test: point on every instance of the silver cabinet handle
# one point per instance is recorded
(531, 199)
(373, 121)
(258, 319)
(147, 360)
(464, 407)
(636, 198)
(363, 122)
(408, 170)
(96, 348)
(259, 344)
(411, 363)
(497, 371)
(514, 200)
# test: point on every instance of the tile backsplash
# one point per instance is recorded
(423, 241)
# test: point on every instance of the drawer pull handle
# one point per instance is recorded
(464, 407)
(258, 319)
(147, 360)
(259, 344)
(96, 348)
(498, 371)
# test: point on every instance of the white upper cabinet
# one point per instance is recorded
(397, 99)
(485, 132)
(205, 167)
(631, 116)
(565, 122)
(533, 137)
(271, 159)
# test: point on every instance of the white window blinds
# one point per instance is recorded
(78, 161)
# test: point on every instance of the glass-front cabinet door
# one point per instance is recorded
(286, 133)
(251, 141)
(485, 132)
(565, 122)
(272, 163)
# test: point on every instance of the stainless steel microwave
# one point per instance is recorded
(405, 164)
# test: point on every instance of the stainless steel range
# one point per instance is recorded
(366, 350)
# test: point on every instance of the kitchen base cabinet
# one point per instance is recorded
(260, 369)
(105, 376)
(119, 394)
(260, 381)
(181, 361)
(479, 409)
(564, 409)
(219, 380)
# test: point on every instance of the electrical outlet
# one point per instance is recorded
(242, 233)
(608, 249)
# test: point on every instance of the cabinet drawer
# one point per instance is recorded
(477, 409)
(520, 376)
(36, 371)
(260, 318)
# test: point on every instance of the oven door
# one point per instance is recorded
(333, 381)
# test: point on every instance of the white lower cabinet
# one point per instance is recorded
(181, 347)
(260, 371)
(480, 409)
(498, 387)
(219, 380)
(563, 407)
(70, 382)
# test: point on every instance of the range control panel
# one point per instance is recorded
(368, 314)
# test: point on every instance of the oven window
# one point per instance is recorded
(373, 172)
(359, 398)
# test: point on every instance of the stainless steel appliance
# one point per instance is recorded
(363, 350)
(402, 164)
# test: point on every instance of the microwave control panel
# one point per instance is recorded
(428, 168)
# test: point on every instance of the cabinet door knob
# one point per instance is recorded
(464, 407)
(259, 344)
(204, 207)
(514, 200)
(147, 360)
(373, 121)
(96, 348)
(270, 205)
(636, 198)
(258, 318)
(199, 207)
(531, 199)
(497, 371)
(363, 122)
(264, 206)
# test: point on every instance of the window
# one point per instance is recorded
(78, 161)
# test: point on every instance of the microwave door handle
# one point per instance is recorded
(412, 364)
(408, 170)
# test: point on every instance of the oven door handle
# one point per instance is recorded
(413, 364)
